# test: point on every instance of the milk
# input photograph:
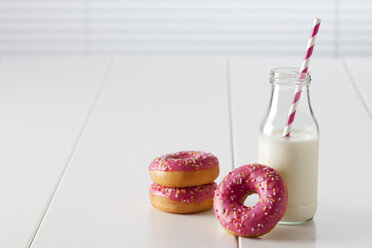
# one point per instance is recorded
(296, 160)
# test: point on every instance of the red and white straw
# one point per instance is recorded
(303, 71)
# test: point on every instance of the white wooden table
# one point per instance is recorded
(77, 135)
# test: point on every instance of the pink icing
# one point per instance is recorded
(195, 194)
(184, 161)
(260, 218)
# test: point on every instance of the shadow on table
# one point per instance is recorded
(187, 228)
(300, 233)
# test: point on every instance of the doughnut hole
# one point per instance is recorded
(250, 199)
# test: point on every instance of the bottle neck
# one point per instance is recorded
(281, 99)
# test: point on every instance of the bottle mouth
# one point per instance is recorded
(289, 76)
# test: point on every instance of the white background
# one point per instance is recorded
(183, 27)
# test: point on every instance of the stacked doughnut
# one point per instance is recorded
(183, 181)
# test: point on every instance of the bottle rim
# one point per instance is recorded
(290, 76)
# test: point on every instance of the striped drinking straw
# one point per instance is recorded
(303, 71)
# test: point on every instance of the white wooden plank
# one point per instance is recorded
(150, 106)
(359, 70)
(43, 105)
(343, 218)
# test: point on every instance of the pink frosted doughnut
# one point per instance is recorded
(231, 193)
(184, 169)
(182, 200)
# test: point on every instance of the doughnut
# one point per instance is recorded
(184, 169)
(241, 220)
(182, 200)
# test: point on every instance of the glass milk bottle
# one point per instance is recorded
(294, 157)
